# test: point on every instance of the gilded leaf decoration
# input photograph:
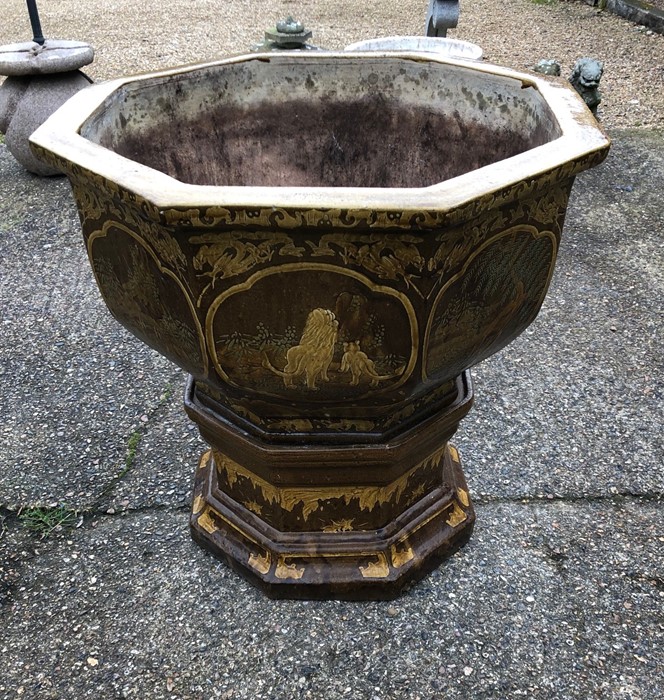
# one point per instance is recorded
(385, 256)
(310, 500)
(225, 255)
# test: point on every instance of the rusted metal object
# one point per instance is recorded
(441, 16)
(327, 278)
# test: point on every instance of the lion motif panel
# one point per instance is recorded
(321, 333)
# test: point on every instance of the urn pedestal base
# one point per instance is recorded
(345, 521)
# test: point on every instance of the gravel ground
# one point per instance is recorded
(518, 35)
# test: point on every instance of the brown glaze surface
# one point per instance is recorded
(374, 141)
(320, 328)
(328, 331)
(337, 559)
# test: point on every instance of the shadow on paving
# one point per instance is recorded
(558, 595)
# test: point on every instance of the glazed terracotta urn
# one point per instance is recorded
(326, 243)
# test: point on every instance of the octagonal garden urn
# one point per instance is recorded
(326, 243)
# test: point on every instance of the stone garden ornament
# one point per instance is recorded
(288, 35)
(585, 77)
(547, 66)
(42, 75)
(326, 243)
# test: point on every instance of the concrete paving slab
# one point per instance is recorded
(74, 384)
(550, 600)
(574, 407)
(558, 595)
(168, 451)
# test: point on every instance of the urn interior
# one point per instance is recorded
(379, 122)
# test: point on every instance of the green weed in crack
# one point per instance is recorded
(133, 442)
(132, 447)
(166, 394)
(43, 521)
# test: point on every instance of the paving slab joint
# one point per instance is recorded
(133, 442)
(656, 581)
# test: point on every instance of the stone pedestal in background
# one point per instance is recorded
(40, 79)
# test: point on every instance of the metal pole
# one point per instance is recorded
(37, 35)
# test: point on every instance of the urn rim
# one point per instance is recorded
(582, 144)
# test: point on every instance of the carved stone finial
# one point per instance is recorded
(290, 26)
(585, 77)
(288, 34)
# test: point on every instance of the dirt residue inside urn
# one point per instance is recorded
(372, 141)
